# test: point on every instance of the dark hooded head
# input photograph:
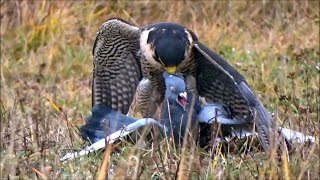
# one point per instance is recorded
(170, 43)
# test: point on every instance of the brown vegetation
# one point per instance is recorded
(46, 67)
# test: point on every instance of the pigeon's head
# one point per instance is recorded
(166, 45)
(175, 90)
(176, 108)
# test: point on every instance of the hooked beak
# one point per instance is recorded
(171, 69)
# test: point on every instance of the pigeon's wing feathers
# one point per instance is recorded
(100, 143)
(102, 122)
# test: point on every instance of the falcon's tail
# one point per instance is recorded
(265, 125)
(269, 134)
(262, 120)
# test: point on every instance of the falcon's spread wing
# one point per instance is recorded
(116, 71)
(220, 82)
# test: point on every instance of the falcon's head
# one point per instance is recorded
(166, 45)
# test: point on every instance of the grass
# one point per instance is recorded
(46, 67)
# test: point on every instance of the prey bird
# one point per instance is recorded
(107, 125)
(123, 54)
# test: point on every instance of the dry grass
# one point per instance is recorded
(46, 67)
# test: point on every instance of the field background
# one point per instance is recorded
(46, 67)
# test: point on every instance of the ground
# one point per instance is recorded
(46, 70)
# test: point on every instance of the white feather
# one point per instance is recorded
(146, 50)
(111, 138)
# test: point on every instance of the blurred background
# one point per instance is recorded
(46, 69)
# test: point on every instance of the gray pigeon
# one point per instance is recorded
(107, 125)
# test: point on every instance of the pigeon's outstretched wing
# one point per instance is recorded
(102, 122)
(216, 112)
(116, 65)
(110, 138)
(220, 82)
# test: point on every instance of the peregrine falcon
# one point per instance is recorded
(123, 54)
